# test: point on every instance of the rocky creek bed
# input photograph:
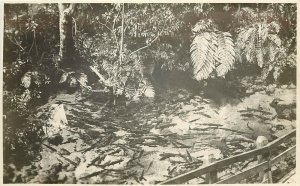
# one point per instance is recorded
(153, 140)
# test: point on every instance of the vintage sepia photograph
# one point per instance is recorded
(149, 93)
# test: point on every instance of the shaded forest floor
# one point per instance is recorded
(152, 140)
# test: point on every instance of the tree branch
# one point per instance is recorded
(114, 22)
(101, 77)
(106, 26)
(112, 31)
(150, 43)
(16, 43)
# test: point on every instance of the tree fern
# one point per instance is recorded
(211, 50)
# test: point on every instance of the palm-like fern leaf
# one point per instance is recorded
(246, 43)
(212, 51)
(225, 53)
(203, 54)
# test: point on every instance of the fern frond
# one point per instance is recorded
(277, 72)
(272, 51)
(274, 27)
(107, 67)
(260, 57)
(129, 91)
(203, 25)
(251, 47)
(225, 53)
(265, 71)
(246, 13)
(291, 60)
(203, 54)
(248, 35)
(275, 39)
(244, 37)
(249, 12)
(264, 32)
(149, 91)
(26, 80)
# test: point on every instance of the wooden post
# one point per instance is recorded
(211, 177)
(265, 176)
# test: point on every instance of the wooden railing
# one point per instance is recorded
(265, 162)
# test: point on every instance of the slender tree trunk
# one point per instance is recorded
(119, 64)
(66, 50)
(122, 36)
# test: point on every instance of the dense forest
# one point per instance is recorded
(137, 93)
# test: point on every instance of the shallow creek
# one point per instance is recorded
(152, 140)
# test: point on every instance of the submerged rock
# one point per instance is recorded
(284, 109)
(55, 140)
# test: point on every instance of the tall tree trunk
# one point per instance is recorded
(122, 36)
(119, 64)
(67, 48)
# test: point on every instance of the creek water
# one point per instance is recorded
(151, 140)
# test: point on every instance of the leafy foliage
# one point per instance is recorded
(211, 50)
(149, 41)
(259, 42)
(30, 38)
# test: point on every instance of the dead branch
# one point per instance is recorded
(92, 175)
(67, 159)
(101, 77)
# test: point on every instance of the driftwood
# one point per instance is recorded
(109, 163)
(92, 175)
(255, 110)
(49, 147)
(232, 130)
(99, 159)
(67, 159)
